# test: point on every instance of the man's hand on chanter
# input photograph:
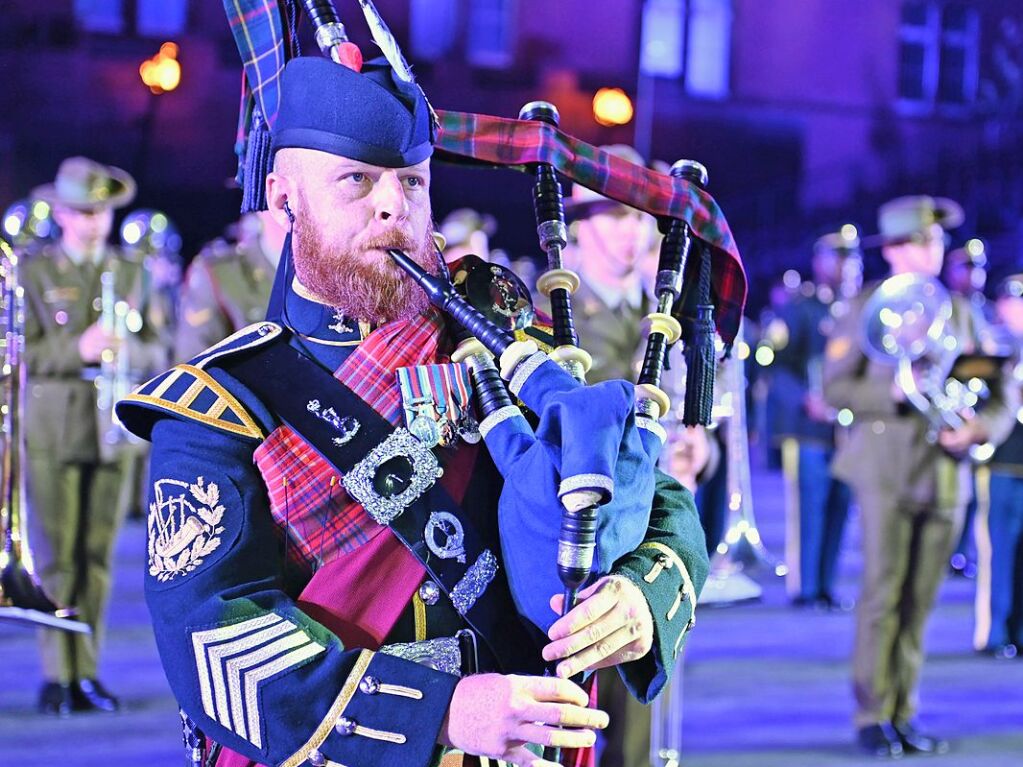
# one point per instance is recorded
(611, 624)
(496, 715)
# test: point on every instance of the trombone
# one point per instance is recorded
(22, 598)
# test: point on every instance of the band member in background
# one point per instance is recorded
(256, 547)
(227, 285)
(912, 491)
(817, 504)
(76, 461)
(965, 274)
(999, 615)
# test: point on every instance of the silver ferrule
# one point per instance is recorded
(329, 36)
(648, 409)
(669, 280)
(575, 556)
(551, 234)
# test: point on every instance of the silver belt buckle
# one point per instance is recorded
(424, 471)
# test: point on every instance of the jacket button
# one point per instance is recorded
(316, 759)
(370, 685)
(346, 726)
(429, 592)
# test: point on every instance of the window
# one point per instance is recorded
(100, 16)
(491, 38)
(691, 39)
(938, 54)
(147, 18)
(433, 24)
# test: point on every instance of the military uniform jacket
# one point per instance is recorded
(254, 665)
(887, 452)
(806, 322)
(61, 301)
(1008, 457)
(226, 288)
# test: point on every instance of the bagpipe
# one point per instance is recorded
(578, 463)
(592, 446)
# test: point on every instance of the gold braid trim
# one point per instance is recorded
(336, 710)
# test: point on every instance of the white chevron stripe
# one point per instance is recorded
(202, 638)
(218, 653)
(250, 662)
(254, 677)
(242, 656)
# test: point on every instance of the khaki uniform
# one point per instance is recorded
(73, 489)
(912, 498)
(226, 288)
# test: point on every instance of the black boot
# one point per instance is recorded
(89, 694)
(915, 742)
(880, 740)
(55, 699)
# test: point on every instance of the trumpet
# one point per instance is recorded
(22, 598)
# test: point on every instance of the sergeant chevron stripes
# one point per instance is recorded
(232, 661)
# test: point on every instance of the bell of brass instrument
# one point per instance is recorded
(22, 599)
(906, 325)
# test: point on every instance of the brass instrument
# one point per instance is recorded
(114, 381)
(22, 599)
(742, 547)
(905, 324)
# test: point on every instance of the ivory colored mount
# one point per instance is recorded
(572, 358)
(655, 402)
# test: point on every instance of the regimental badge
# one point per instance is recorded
(346, 425)
(184, 526)
(445, 536)
(340, 325)
(436, 400)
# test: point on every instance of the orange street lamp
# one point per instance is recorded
(612, 106)
(162, 73)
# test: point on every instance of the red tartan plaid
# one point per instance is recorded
(521, 144)
(307, 500)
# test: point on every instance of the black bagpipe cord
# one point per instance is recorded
(699, 350)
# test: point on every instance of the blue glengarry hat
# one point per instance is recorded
(372, 116)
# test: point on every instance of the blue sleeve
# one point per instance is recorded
(254, 672)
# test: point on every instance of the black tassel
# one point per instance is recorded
(258, 163)
(699, 352)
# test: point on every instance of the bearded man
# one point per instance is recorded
(318, 595)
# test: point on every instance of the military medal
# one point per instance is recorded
(466, 425)
(436, 401)
(418, 402)
(423, 426)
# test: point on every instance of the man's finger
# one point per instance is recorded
(587, 611)
(595, 655)
(550, 689)
(564, 715)
(552, 736)
(607, 624)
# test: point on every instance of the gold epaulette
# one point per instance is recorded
(192, 393)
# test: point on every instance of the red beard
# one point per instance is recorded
(377, 291)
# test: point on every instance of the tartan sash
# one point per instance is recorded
(483, 600)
